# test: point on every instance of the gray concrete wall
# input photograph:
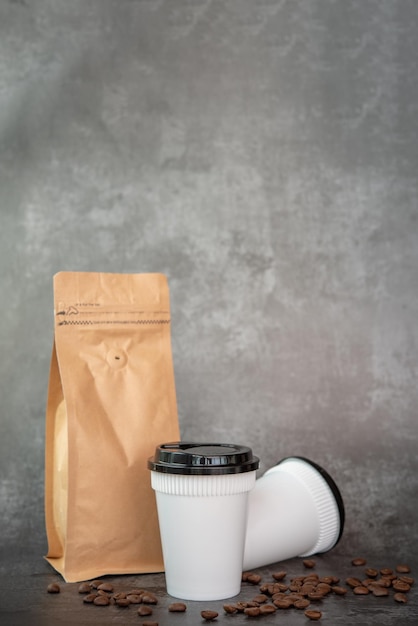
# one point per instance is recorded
(264, 155)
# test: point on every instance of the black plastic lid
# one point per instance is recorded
(183, 457)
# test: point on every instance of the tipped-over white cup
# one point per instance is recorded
(295, 509)
(202, 494)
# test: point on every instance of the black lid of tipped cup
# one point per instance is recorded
(182, 457)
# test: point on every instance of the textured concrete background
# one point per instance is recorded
(264, 155)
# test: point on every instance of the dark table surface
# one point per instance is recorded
(24, 600)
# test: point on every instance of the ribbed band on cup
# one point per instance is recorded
(215, 485)
(324, 500)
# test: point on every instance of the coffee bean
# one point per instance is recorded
(313, 615)
(230, 608)
(144, 610)
(105, 587)
(101, 600)
(316, 595)
(400, 585)
(279, 575)
(53, 588)
(252, 611)
(209, 615)
(177, 607)
(384, 582)
(95, 583)
(123, 603)
(84, 588)
(309, 563)
(260, 598)
(340, 591)
(89, 599)
(267, 609)
(149, 598)
(294, 597)
(361, 590)
(303, 603)
(371, 572)
(353, 582)
(134, 598)
(379, 592)
(283, 603)
(400, 597)
(254, 579)
(358, 561)
(386, 571)
(403, 569)
(135, 592)
(407, 579)
(149, 623)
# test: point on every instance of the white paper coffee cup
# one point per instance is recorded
(295, 509)
(202, 494)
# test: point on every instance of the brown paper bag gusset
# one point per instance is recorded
(111, 401)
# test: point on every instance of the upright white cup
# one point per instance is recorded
(202, 493)
(295, 509)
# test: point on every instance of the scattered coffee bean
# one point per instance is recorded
(144, 610)
(353, 582)
(84, 588)
(303, 603)
(400, 585)
(407, 579)
(403, 569)
(134, 598)
(89, 599)
(260, 598)
(313, 615)
(386, 571)
(400, 597)
(379, 592)
(123, 603)
(361, 590)
(280, 575)
(177, 607)
(53, 588)
(95, 583)
(371, 572)
(105, 587)
(209, 615)
(315, 596)
(254, 579)
(280, 587)
(149, 598)
(358, 561)
(267, 609)
(101, 600)
(309, 563)
(283, 603)
(340, 591)
(251, 611)
(149, 623)
(136, 592)
(230, 608)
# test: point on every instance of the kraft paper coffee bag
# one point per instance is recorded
(111, 401)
